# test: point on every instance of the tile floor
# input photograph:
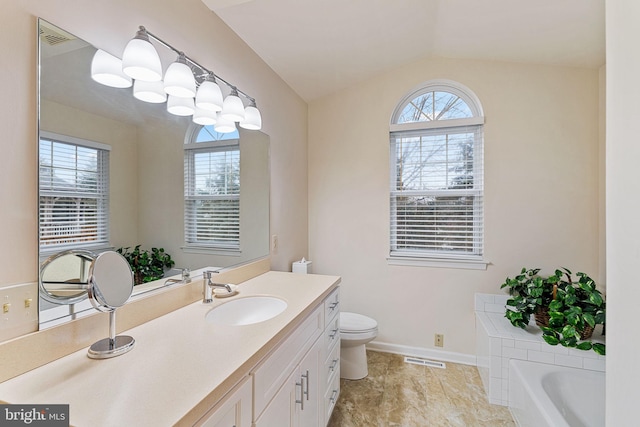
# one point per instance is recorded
(399, 394)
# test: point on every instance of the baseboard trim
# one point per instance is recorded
(427, 353)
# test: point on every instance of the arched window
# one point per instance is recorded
(436, 136)
(212, 189)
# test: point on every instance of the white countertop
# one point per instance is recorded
(180, 364)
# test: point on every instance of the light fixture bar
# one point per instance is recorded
(204, 70)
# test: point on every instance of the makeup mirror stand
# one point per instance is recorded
(113, 345)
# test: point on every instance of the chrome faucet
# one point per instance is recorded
(208, 285)
(186, 277)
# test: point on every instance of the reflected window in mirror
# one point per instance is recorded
(73, 193)
(212, 189)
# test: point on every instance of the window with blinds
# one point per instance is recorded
(212, 194)
(73, 193)
(436, 157)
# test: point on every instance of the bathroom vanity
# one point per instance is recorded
(186, 370)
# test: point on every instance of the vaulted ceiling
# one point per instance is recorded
(321, 46)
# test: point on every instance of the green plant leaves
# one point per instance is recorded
(599, 348)
(577, 304)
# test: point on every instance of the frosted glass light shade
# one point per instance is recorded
(180, 106)
(232, 108)
(140, 60)
(252, 119)
(106, 69)
(179, 80)
(209, 96)
(152, 92)
(204, 117)
(224, 125)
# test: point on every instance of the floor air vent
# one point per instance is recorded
(425, 362)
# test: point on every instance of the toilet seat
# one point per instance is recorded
(354, 323)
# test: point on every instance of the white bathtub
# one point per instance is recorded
(555, 396)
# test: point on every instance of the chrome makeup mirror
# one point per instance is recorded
(110, 287)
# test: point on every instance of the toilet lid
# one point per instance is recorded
(354, 322)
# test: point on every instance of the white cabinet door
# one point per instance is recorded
(281, 411)
(311, 387)
(233, 411)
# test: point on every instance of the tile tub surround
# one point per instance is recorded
(497, 342)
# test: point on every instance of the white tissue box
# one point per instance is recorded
(302, 267)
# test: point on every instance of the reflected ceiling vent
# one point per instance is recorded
(54, 37)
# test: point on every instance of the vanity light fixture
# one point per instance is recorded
(140, 59)
(187, 84)
(209, 95)
(107, 69)
(252, 118)
(232, 107)
(179, 80)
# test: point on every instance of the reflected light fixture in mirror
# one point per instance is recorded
(184, 80)
(107, 70)
(224, 125)
(152, 92)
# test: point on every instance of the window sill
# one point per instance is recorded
(464, 264)
(211, 251)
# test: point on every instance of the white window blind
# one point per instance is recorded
(436, 195)
(73, 193)
(212, 196)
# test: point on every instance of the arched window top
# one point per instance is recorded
(198, 134)
(437, 100)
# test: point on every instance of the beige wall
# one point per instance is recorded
(187, 24)
(623, 228)
(541, 192)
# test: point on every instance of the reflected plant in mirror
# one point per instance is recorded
(119, 172)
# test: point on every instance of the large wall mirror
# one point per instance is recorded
(137, 155)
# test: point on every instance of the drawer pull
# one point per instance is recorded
(333, 305)
(306, 389)
(333, 333)
(334, 363)
(301, 401)
(333, 396)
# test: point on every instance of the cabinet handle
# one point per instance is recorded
(333, 305)
(333, 333)
(333, 396)
(306, 377)
(334, 362)
(301, 401)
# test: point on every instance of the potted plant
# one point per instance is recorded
(530, 295)
(574, 313)
(146, 265)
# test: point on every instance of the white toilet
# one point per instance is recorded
(355, 331)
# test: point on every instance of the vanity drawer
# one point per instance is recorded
(331, 365)
(332, 305)
(331, 335)
(274, 370)
(331, 396)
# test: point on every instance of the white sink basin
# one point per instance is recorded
(246, 311)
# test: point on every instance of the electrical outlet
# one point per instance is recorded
(274, 243)
(439, 340)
